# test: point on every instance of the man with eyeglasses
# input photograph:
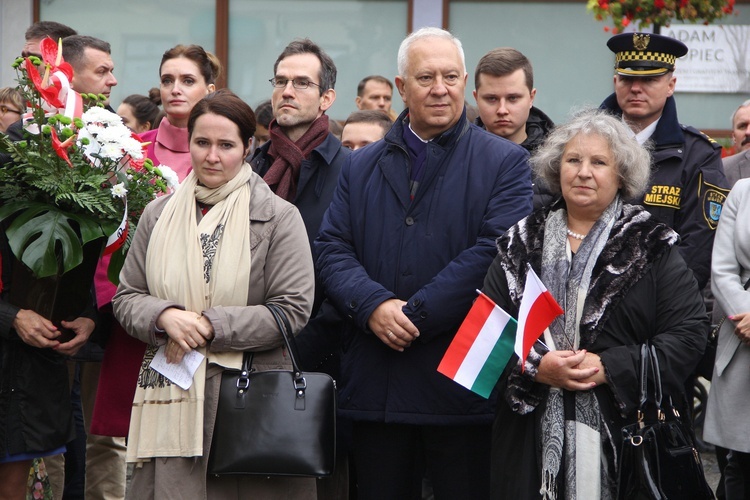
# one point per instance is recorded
(302, 160)
(408, 238)
(301, 163)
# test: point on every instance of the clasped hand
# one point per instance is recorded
(186, 331)
(36, 330)
(389, 323)
(571, 370)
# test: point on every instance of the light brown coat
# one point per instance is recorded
(281, 272)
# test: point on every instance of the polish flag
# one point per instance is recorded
(481, 348)
(538, 309)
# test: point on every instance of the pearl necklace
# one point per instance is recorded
(575, 235)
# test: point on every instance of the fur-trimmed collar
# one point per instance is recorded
(637, 240)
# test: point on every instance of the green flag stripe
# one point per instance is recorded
(496, 361)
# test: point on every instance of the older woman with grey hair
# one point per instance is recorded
(621, 282)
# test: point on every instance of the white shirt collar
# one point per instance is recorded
(416, 134)
(644, 134)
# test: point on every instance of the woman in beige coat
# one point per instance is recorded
(203, 263)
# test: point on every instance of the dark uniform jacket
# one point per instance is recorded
(538, 125)
(687, 187)
(432, 251)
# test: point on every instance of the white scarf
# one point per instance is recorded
(191, 263)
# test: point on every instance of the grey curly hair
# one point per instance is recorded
(633, 161)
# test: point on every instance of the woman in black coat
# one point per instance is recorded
(35, 413)
(621, 282)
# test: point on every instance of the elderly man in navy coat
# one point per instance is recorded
(406, 240)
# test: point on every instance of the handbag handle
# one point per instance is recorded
(656, 373)
(300, 384)
(286, 331)
(649, 360)
(643, 379)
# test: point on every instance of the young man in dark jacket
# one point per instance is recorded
(504, 92)
(404, 245)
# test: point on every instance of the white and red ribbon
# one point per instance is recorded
(117, 239)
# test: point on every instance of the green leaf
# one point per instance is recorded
(90, 228)
(33, 237)
(115, 265)
(45, 238)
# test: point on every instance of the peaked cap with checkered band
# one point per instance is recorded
(645, 54)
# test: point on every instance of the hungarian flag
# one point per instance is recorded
(538, 309)
(481, 348)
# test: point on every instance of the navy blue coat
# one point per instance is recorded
(377, 244)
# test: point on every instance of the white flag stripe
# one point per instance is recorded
(481, 348)
(531, 291)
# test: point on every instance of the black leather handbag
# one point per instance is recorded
(658, 459)
(275, 423)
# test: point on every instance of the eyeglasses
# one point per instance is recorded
(5, 109)
(297, 83)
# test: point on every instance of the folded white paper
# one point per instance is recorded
(179, 373)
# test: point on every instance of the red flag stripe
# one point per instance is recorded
(466, 335)
(542, 312)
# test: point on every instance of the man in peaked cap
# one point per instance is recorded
(688, 187)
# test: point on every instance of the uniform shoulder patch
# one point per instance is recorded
(694, 131)
(712, 200)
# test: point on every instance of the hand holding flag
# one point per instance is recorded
(488, 337)
(538, 309)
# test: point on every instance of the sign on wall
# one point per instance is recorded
(718, 58)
